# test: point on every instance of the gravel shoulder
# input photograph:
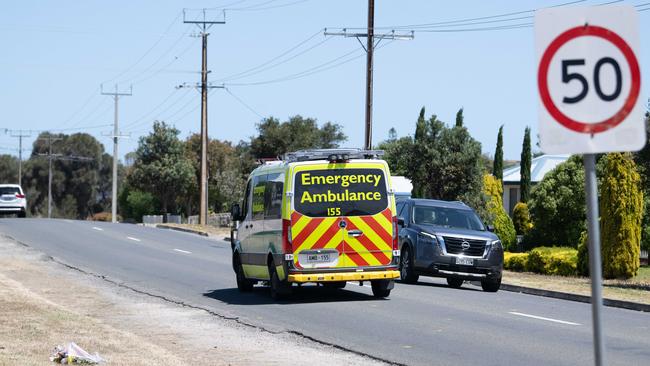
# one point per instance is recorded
(45, 303)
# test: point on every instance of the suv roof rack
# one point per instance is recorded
(326, 154)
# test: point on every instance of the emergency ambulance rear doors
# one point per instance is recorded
(341, 216)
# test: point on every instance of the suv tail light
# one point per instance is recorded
(18, 195)
(395, 228)
(287, 241)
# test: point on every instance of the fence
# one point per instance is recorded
(218, 220)
(152, 219)
(644, 256)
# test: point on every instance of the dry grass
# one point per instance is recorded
(576, 285)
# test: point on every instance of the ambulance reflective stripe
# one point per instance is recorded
(376, 242)
(372, 248)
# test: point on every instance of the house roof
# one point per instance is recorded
(539, 166)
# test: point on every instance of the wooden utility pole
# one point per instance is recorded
(116, 97)
(369, 48)
(203, 25)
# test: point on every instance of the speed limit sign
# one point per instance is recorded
(589, 80)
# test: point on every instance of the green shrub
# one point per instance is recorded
(553, 261)
(503, 226)
(557, 206)
(521, 218)
(515, 261)
(621, 210)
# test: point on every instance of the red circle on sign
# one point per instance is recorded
(542, 76)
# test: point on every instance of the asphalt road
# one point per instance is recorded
(424, 324)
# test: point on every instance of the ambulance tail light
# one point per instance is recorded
(287, 241)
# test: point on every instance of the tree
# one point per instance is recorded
(392, 134)
(397, 154)
(525, 167)
(497, 169)
(621, 210)
(276, 138)
(459, 118)
(8, 169)
(497, 215)
(161, 167)
(557, 206)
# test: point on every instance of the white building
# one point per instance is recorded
(512, 177)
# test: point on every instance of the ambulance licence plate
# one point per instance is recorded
(318, 258)
(465, 261)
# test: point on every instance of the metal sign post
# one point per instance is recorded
(595, 268)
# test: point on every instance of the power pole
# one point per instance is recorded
(369, 48)
(204, 25)
(50, 156)
(116, 97)
(20, 134)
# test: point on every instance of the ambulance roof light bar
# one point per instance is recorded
(332, 155)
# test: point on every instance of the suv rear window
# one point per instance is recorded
(9, 190)
(340, 192)
(447, 217)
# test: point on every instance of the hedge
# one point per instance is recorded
(560, 261)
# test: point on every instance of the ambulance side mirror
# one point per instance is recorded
(235, 212)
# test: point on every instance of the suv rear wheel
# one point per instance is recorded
(491, 285)
(407, 274)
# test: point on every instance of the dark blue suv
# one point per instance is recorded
(447, 239)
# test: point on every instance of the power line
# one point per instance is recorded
(288, 51)
(269, 7)
(128, 69)
(243, 103)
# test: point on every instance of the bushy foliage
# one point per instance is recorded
(553, 261)
(276, 138)
(8, 169)
(497, 216)
(161, 167)
(521, 218)
(515, 261)
(557, 206)
(621, 210)
(442, 162)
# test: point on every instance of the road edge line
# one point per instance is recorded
(629, 305)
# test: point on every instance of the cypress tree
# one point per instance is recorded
(621, 210)
(459, 118)
(497, 168)
(525, 167)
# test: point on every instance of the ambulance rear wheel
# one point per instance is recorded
(279, 289)
(243, 284)
(381, 288)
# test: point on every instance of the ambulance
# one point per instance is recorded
(317, 216)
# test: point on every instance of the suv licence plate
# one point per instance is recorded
(465, 261)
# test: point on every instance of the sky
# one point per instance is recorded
(274, 60)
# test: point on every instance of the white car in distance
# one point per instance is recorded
(12, 200)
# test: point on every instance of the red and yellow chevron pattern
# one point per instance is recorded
(372, 248)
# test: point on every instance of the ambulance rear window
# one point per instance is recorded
(340, 192)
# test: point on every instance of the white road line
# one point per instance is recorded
(183, 251)
(98, 228)
(132, 238)
(543, 318)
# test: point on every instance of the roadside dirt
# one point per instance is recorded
(575, 285)
(43, 304)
